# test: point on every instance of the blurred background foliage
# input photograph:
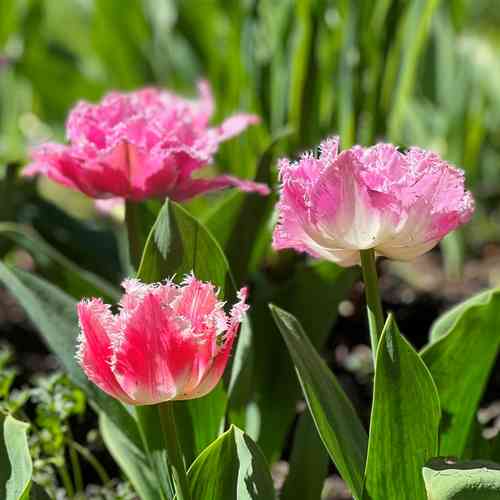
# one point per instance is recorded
(409, 71)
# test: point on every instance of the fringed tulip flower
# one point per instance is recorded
(141, 145)
(399, 204)
(166, 342)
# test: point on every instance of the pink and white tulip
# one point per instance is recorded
(167, 341)
(141, 145)
(400, 204)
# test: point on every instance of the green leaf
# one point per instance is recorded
(274, 381)
(336, 420)
(178, 244)
(404, 423)
(74, 280)
(460, 361)
(231, 467)
(54, 314)
(308, 463)
(443, 325)
(131, 459)
(451, 480)
(21, 467)
(200, 421)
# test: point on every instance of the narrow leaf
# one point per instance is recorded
(308, 463)
(54, 314)
(336, 420)
(404, 422)
(74, 280)
(131, 459)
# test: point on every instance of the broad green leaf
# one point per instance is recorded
(178, 244)
(275, 383)
(21, 467)
(460, 361)
(447, 479)
(231, 467)
(54, 314)
(404, 422)
(308, 463)
(336, 420)
(74, 280)
(443, 325)
(131, 459)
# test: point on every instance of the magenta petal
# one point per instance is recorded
(140, 145)
(235, 125)
(194, 187)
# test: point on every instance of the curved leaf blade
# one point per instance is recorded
(450, 480)
(231, 467)
(178, 244)
(54, 314)
(404, 422)
(131, 459)
(461, 361)
(21, 467)
(336, 420)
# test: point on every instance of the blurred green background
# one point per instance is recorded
(421, 72)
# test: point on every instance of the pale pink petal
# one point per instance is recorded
(194, 187)
(400, 204)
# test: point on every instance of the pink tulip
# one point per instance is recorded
(141, 145)
(400, 204)
(167, 342)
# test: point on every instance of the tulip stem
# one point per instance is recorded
(175, 459)
(373, 302)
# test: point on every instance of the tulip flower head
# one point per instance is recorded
(167, 342)
(141, 145)
(399, 204)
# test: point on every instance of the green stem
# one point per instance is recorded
(92, 460)
(133, 230)
(373, 302)
(77, 471)
(151, 434)
(66, 480)
(175, 458)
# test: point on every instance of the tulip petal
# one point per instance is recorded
(95, 351)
